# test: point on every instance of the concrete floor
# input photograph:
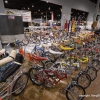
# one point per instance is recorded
(33, 92)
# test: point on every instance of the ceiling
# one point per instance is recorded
(94, 1)
(37, 7)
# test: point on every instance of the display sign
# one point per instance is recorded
(26, 15)
(37, 20)
(11, 17)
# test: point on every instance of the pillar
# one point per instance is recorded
(96, 10)
(66, 14)
(2, 11)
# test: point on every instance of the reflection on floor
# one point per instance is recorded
(33, 92)
(94, 89)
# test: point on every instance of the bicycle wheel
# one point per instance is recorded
(36, 76)
(84, 80)
(95, 64)
(25, 41)
(50, 56)
(75, 92)
(48, 64)
(40, 64)
(92, 72)
(20, 84)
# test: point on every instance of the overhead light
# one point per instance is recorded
(32, 5)
(28, 8)
(58, 15)
(49, 8)
(6, 1)
(61, 10)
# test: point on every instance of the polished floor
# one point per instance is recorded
(33, 92)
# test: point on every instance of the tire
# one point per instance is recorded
(84, 80)
(71, 89)
(36, 76)
(96, 65)
(92, 72)
(25, 41)
(17, 82)
(50, 56)
(40, 64)
(48, 64)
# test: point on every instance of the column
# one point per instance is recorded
(2, 11)
(66, 14)
(96, 10)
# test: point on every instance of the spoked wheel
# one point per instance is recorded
(40, 64)
(75, 92)
(92, 72)
(25, 41)
(20, 84)
(84, 80)
(36, 76)
(96, 65)
(50, 56)
(48, 64)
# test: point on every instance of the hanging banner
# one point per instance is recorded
(37, 20)
(52, 16)
(26, 15)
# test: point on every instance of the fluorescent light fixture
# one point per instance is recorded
(49, 8)
(6, 1)
(32, 5)
(61, 10)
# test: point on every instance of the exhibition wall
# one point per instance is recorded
(84, 5)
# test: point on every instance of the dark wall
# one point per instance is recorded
(11, 25)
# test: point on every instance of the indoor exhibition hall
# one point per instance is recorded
(49, 49)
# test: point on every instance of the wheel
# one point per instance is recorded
(50, 56)
(25, 41)
(36, 75)
(96, 65)
(92, 72)
(53, 67)
(37, 42)
(75, 92)
(48, 64)
(20, 84)
(84, 80)
(40, 64)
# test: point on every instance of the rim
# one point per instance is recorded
(21, 83)
(75, 93)
(92, 73)
(36, 76)
(84, 80)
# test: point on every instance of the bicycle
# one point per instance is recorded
(12, 79)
